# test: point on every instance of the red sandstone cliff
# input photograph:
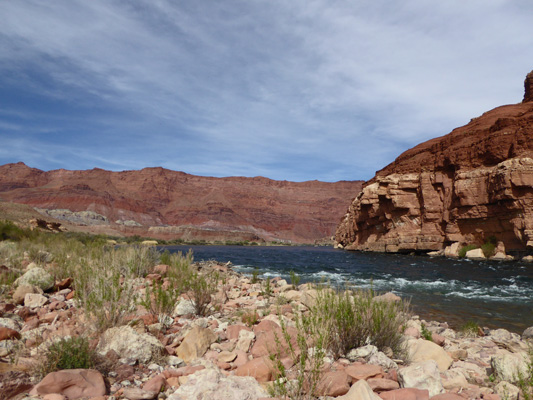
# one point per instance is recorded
(169, 204)
(473, 184)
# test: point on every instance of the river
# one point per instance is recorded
(490, 293)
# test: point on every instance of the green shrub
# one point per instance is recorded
(489, 248)
(426, 334)
(202, 287)
(469, 329)
(295, 279)
(255, 275)
(10, 231)
(307, 354)
(466, 249)
(357, 319)
(69, 353)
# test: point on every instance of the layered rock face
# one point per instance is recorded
(167, 204)
(470, 186)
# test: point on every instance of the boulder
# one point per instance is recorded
(128, 343)
(452, 250)
(528, 334)
(359, 372)
(34, 300)
(244, 340)
(212, 384)
(362, 352)
(422, 375)
(135, 393)
(184, 307)
(423, 350)
(382, 360)
(10, 323)
(506, 366)
(382, 384)
(507, 391)
(195, 343)
(475, 254)
(20, 292)
(360, 390)
(8, 333)
(72, 383)
(389, 296)
(334, 383)
(37, 277)
(405, 394)
(259, 368)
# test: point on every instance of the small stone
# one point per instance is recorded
(139, 394)
(34, 300)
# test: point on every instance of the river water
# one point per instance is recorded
(490, 293)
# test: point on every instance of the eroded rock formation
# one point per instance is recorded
(470, 186)
(168, 204)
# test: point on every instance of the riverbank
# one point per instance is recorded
(172, 348)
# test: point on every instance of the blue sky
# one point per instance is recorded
(287, 89)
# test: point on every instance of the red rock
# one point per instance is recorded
(157, 196)
(71, 295)
(54, 396)
(392, 374)
(438, 339)
(13, 383)
(437, 192)
(232, 331)
(405, 394)
(382, 384)
(224, 365)
(155, 384)
(7, 307)
(447, 396)
(182, 371)
(364, 371)
(242, 358)
(153, 277)
(334, 383)
(64, 284)
(266, 325)
(258, 368)
(7, 333)
(491, 396)
(73, 383)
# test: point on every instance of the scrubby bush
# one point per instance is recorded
(68, 353)
(469, 329)
(10, 231)
(466, 249)
(306, 351)
(356, 318)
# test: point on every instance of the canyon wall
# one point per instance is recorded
(471, 186)
(167, 204)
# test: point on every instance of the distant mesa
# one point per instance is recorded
(165, 204)
(472, 186)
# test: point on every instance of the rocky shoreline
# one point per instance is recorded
(226, 354)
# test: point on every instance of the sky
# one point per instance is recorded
(287, 89)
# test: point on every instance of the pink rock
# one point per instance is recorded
(405, 394)
(242, 358)
(412, 331)
(224, 365)
(492, 396)
(232, 331)
(266, 325)
(438, 339)
(54, 396)
(334, 383)
(7, 333)
(73, 383)
(447, 396)
(258, 368)
(364, 371)
(382, 384)
(155, 384)
(265, 343)
(182, 371)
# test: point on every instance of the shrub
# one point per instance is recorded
(295, 279)
(202, 287)
(255, 275)
(426, 334)
(10, 231)
(69, 353)
(301, 381)
(250, 317)
(357, 319)
(489, 247)
(469, 329)
(466, 249)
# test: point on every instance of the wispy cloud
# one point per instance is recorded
(290, 90)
